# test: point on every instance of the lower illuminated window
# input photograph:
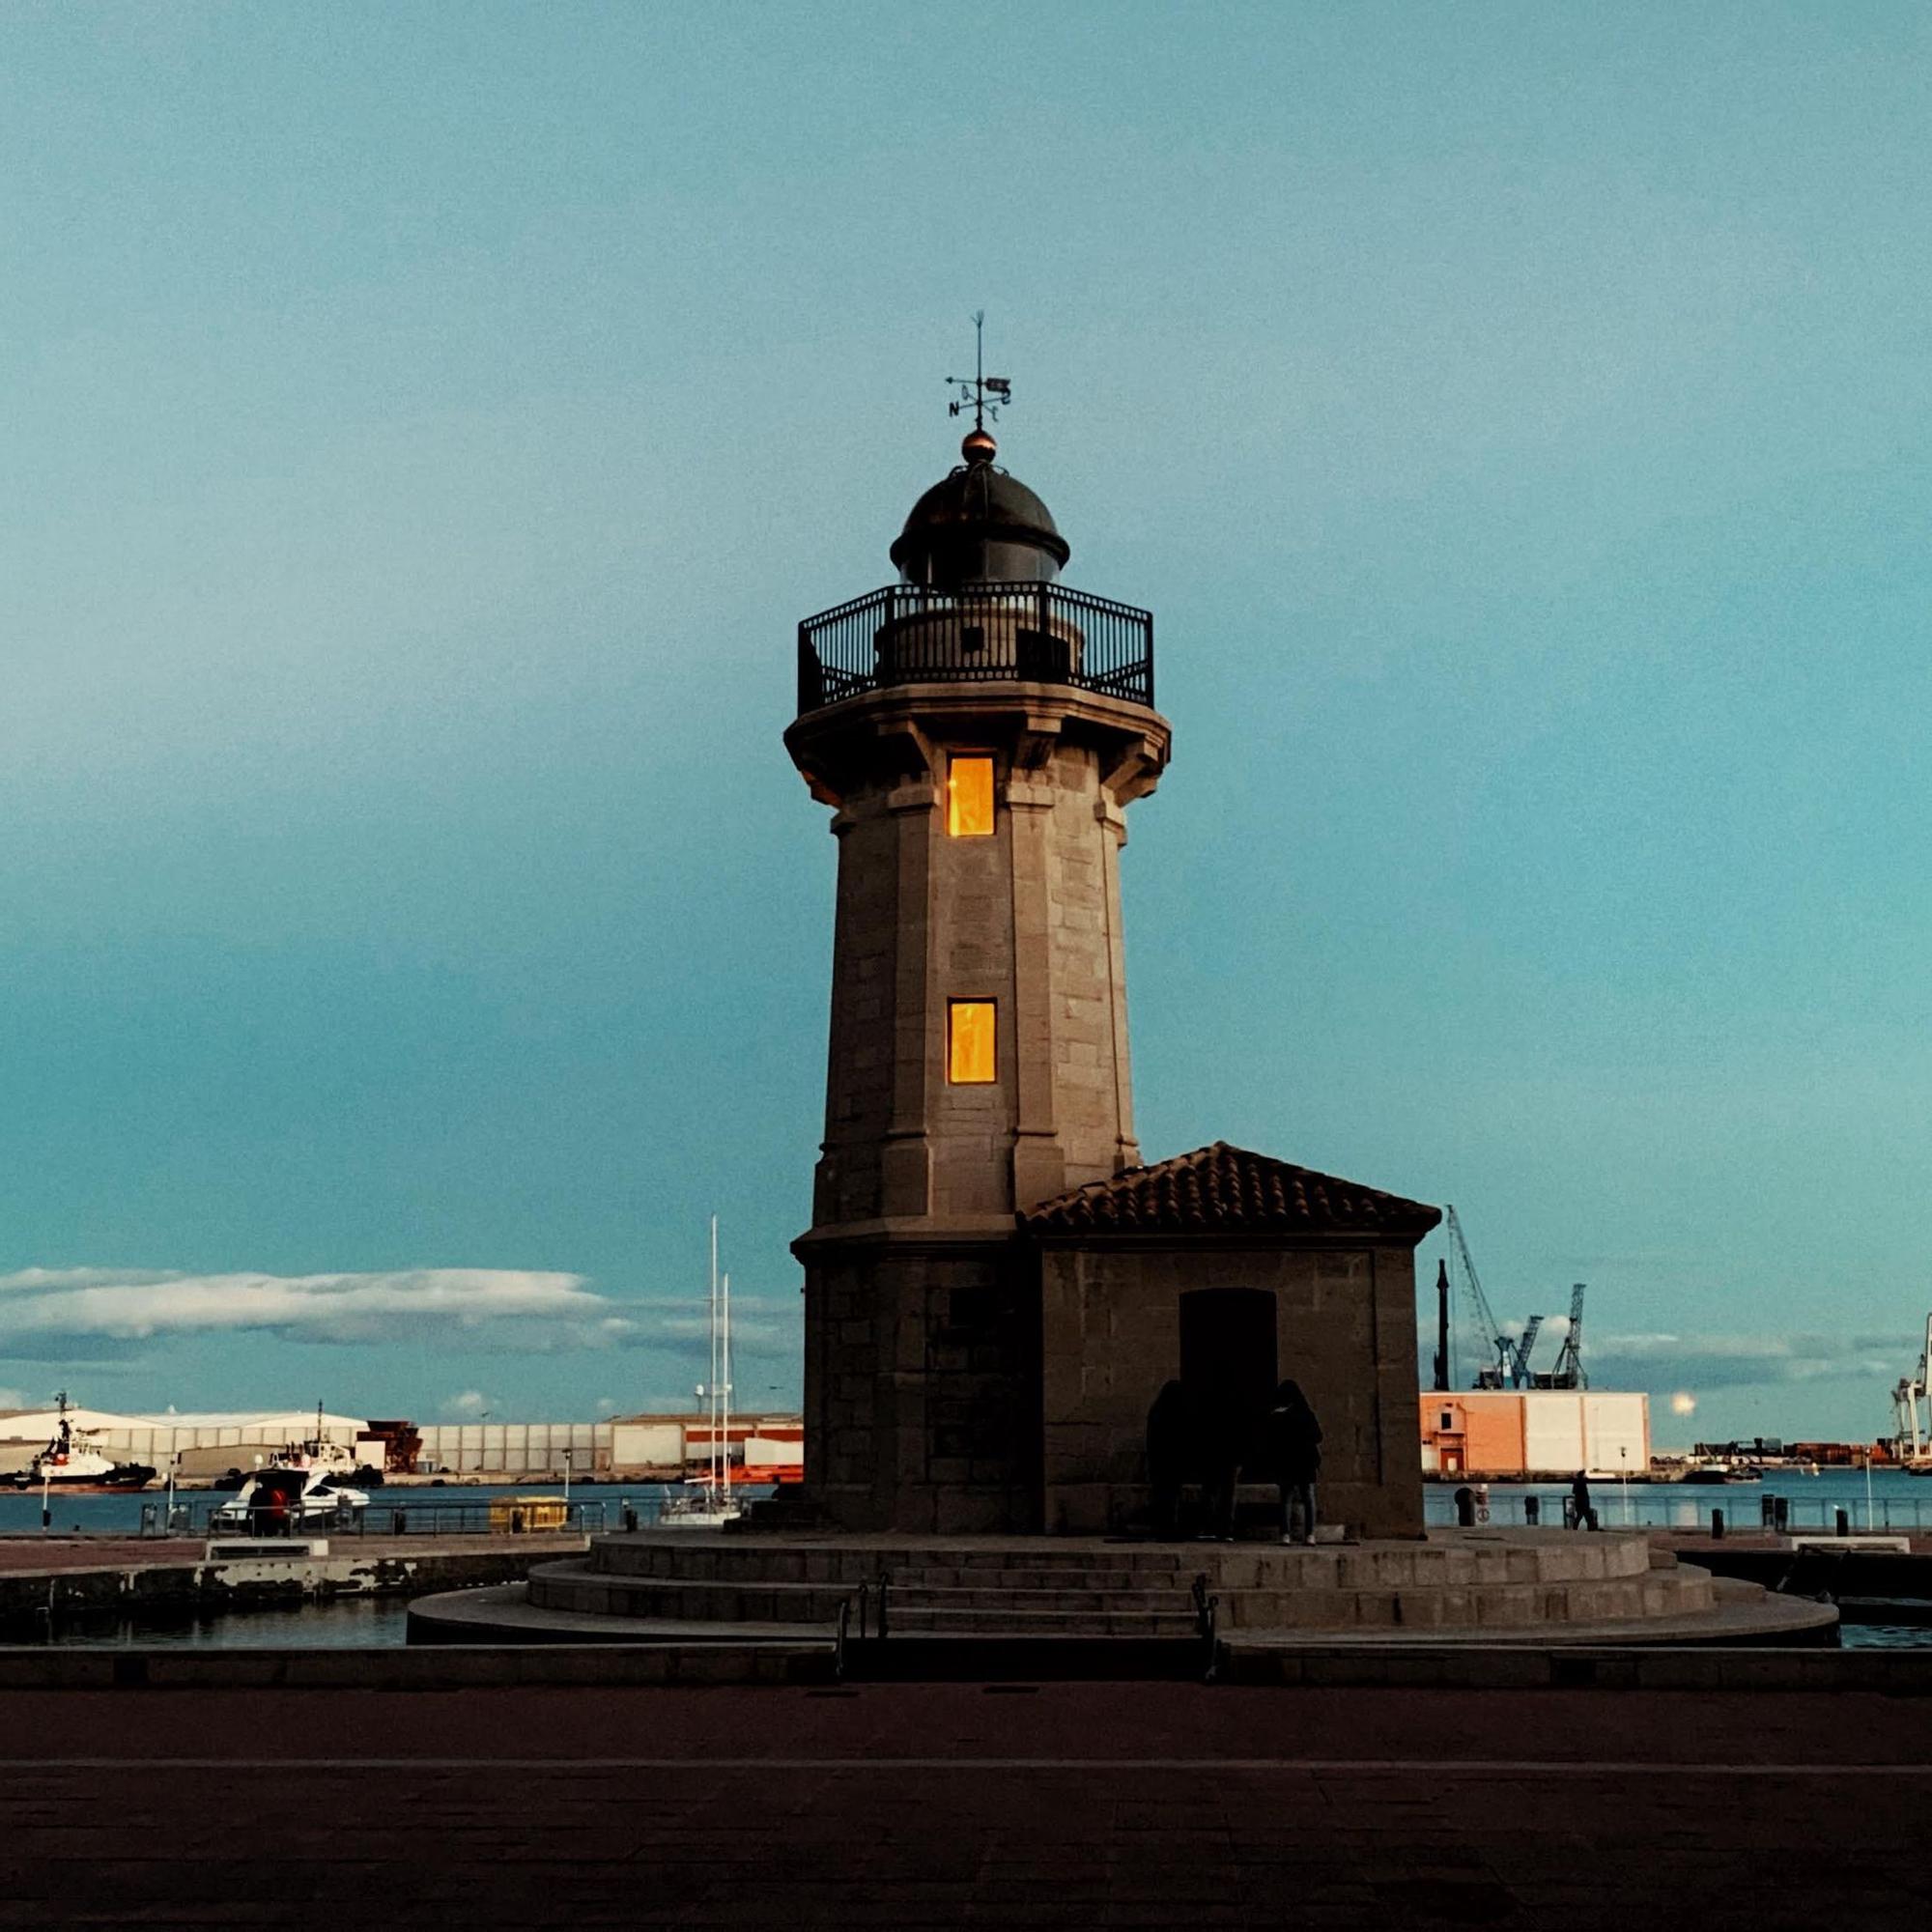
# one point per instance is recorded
(969, 1042)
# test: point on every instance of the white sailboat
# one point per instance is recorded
(714, 1505)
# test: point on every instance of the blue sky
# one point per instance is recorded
(426, 425)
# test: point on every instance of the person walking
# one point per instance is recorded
(1579, 1500)
(1292, 1446)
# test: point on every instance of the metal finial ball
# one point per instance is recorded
(978, 446)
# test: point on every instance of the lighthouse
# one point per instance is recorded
(996, 1288)
(980, 729)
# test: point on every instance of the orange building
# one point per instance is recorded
(1534, 1432)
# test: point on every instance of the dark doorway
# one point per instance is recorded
(1228, 1350)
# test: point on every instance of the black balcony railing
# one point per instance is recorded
(980, 633)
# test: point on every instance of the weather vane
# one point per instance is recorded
(980, 394)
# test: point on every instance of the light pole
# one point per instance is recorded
(566, 1485)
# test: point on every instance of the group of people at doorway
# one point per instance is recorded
(1193, 1439)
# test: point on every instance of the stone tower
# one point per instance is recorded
(978, 730)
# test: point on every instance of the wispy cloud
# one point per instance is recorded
(49, 1311)
(1666, 1359)
(1741, 1359)
(471, 1402)
(128, 1304)
(758, 1327)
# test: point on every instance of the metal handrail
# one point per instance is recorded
(398, 1516)
(1675, 1507)
(1037, 632)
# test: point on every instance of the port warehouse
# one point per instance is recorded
(201, 1445)
(1463, 1432)
(1544, 1433)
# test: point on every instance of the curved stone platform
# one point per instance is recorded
(1484, 1585)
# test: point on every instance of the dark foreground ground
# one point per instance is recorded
(904, 1806)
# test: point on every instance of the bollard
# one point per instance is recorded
(1716, 1525)
(1844, 1522)
(1532, 1511)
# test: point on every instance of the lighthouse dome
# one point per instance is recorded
(978, 526)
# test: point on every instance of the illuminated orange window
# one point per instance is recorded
(969, 799)
(969, 1042)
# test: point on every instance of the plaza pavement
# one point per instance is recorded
(938, 1805)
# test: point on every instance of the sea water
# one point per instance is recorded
(1893, 1502)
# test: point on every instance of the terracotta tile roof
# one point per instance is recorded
(1226, 1189)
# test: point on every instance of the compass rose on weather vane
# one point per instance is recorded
(980, 392)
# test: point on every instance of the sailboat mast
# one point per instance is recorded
(711, 1387)
(725, 1359)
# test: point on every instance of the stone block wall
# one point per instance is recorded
(1027, 917)
(922, 1387)
(1110, 1329)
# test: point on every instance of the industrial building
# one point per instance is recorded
(625, 1445)
(1540, 1433)
(196, 1447)
(193, 1445)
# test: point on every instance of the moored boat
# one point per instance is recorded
(281, 1498)
(71, 1463)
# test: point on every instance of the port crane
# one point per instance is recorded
(1512, 1352)
(1910, 1399)
(1569, 1373)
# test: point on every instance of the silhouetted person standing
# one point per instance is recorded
(1167, 1455)
(1292, 1451)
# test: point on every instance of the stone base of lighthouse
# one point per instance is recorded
(998, 1380)
(923, 1385)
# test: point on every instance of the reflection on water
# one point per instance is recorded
(346, 1623)
(1886, 1636)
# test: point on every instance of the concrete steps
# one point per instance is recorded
(1065, 1593)
(1480, 1560)
(945, 1620)
(577, 1589)
(974, 1587)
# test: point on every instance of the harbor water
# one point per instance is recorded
(416, 1508)
(1876, 1501)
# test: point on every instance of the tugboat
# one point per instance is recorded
(69, 1463)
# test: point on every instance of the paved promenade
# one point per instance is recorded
(37, 1556)
(909, 1806)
